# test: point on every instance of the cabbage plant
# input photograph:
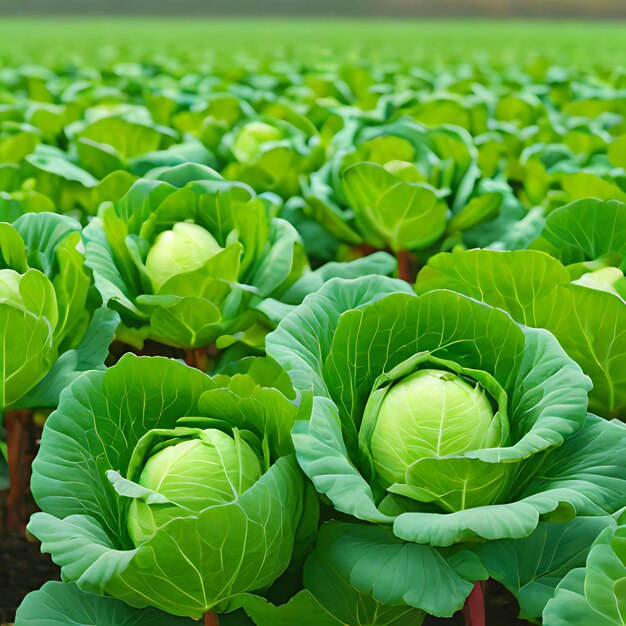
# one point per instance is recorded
(403, 186)
(184, 256)
(271, 154)
(163, 487)
(51, 323)
(443, 420)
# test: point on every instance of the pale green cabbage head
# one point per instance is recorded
(10, 288)
(211, 469)
(250, 140)
(185, 248)
(431, 413)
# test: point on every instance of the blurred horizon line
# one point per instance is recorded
(599, 10)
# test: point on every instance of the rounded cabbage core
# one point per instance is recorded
(405, 171)
(10, 287)
(431, 413)
(213, 469)
(247, 146)
(185, 248)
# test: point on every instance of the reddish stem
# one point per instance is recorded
(474, 609)
(197, 357)
(364, 249)
(404, 266)
(211, 619)
(17, 428)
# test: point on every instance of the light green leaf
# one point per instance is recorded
(593, 594)
(302, 609)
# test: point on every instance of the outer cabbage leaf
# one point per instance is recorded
(531, 568)
(51, 332)
(64, 604)
(386, 575)
(594, 594)
(584, 230)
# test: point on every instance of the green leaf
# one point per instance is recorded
(90, 354)
(384, 571)
(378, 263)
(305, 336)
(584, 230)
(617, 152)
(593, 594)
(569, 606)
(403, 216)
(27, 338)
(302, 609)
(582, 185)
(64, 604)
(531, 568)
(58, 165)
(127, 138)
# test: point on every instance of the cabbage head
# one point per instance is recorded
(443, 421)
(272, 154)
(154, 467)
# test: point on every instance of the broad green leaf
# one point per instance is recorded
(89, 354)
(617, 152)
(593, 594)
(403, 216)
(59, 165)
(302, 609)
(569, 606)
(531, 568)
(347, 582)
(64, 604)
(584, 231)
(379, 263)
(305, 336)
(127, 138)
(581, 185)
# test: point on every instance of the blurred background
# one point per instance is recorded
(598, 9)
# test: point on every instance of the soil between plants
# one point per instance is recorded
(22, 569)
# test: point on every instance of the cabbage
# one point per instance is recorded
(249, 142)
(10, 288)
(185, 248)
(433, 413)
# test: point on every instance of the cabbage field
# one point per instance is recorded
(312, 325)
